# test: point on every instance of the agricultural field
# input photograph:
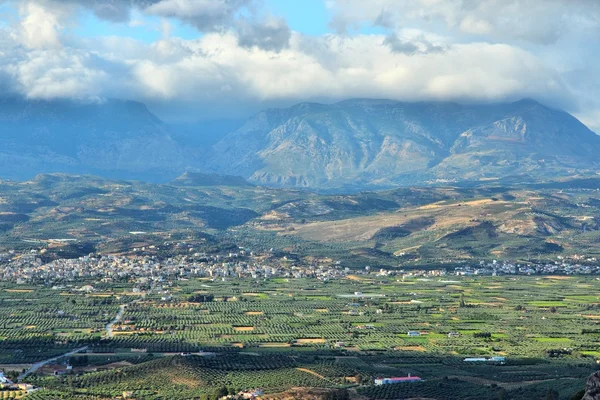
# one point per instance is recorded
(187, 338)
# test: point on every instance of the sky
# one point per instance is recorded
(203, 59)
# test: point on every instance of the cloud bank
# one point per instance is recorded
(246, 58)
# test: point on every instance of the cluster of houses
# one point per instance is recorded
(421, 333)
(24, 267)
(560, 267)
(29, 267)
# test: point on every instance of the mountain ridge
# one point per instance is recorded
(353, 144)
(377, 142)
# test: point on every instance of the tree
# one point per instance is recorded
(221, 392)
(201, 298)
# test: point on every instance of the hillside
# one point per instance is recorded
(408, 226)
(382, 143)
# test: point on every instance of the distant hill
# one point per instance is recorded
(407, 226)
(379, 143)
(199, 179)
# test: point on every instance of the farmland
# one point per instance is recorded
(280, 334)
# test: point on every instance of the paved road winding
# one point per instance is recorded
(111, 324)
(40, 364)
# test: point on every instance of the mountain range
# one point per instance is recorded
(354, 144)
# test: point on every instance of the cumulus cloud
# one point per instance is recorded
(62, 74)
(206, 15)
(412, 45)
(216, 65)
(44, 19)
(39, 27)
(535, 21)
(222, 15)
(217, 69)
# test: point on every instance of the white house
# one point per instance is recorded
(391, 381)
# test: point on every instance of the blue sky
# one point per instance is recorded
(310, 17)
(210, 58)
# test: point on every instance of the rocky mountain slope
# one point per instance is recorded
(370, 143)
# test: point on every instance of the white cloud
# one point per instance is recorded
(44, 19)
(241, 16)
(216, 68)
(202, 70)
(270, 34)
(470, 24)
(57, 74)
(535, 21)
(112, 10)
(250, 63)
(39, 27)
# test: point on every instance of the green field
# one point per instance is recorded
(280, 334)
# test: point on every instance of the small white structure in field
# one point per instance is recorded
(403, 379)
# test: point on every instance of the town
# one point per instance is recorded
(29, 266)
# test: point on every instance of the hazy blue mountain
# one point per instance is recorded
(366, 143)
(112, 138)
(204, 134)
